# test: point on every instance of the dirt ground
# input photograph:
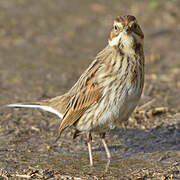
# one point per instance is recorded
(44, 47)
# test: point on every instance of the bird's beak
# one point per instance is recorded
(127, 29)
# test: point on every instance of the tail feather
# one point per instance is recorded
(43, 107)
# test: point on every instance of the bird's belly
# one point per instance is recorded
(110, 113)
(119, 109)
(127, 107)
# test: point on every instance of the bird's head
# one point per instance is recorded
(126, 33)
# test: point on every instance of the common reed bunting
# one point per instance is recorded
(108, 91)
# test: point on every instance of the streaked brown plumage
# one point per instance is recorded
(108, 91)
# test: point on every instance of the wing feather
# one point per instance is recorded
(86, 91)
(79, 104)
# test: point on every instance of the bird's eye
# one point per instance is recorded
(135, 26)
(115, 27)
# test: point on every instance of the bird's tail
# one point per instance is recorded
(55, 105)
(41, 105)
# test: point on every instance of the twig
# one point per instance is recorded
(146, 104)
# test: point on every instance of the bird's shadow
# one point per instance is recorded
(135, 140)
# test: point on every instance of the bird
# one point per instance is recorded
(108, 91)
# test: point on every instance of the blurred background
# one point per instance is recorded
(46, 45)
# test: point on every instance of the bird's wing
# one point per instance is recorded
(79, 104)
(89, 92)
(86, 91)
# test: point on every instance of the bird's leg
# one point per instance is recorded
(102, 136)
(89, 141)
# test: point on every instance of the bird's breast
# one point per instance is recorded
(124, 91)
